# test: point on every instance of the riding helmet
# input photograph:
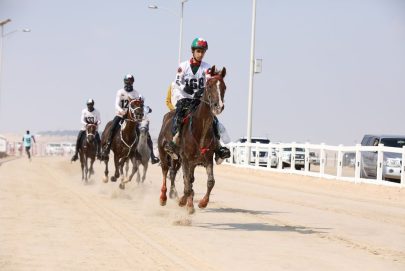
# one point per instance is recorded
(90, 102)
(199, 43)
(129, 79)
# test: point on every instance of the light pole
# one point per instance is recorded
(181, 22)
(2, 35)
(251, 73)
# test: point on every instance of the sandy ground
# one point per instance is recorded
(51, 220)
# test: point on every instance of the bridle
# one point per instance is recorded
(88, 129)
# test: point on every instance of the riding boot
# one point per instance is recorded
(153, 158)
(98, 142)
(78, 143)
(107, 147)
(221, 153)
(171, 147)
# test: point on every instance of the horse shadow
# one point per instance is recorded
(256, 227)
(243, 211)
(253, 227)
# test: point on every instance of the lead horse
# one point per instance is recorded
(124, 142)
(197, 141)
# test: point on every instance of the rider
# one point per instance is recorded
(27, 142)
(186, 92)
(90, 115)
(121, 107)
(148, 110)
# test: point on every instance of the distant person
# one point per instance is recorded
(90, 115)
(121, 106)
(186, 94)
(27, 142)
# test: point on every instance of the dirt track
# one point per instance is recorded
(50, 220)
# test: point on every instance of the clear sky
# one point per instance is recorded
(333, 70)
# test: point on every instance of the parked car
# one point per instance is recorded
(313, 158)
(54, 149)
(68, 147)
(240, 155)
(391, 161)
(299, 158)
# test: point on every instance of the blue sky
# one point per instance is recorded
(332, 70)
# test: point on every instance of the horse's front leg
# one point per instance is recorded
(134, 170)
(145, 168)
(210, 184)
(86, 168)
(91, 170)
(121, 172)
(105, 179)
(188, 177)
(82, 165)
(165, 168)
(116, 165)
(174, 168)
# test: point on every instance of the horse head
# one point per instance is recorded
(144, 127)
(91, 130)
(135, 109)
(215, 90)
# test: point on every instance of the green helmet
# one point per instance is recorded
(199, 43)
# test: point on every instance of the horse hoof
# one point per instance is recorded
(113, 179)
(190, 210)
(105, 179)
(162, 202)
(173, 194)
(122, 186)
(202, 204)
(183, 201)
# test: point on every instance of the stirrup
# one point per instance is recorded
(155, 160)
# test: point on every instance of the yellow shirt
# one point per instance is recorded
(169, 98)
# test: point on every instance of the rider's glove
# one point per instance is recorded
(187, 89)
(199, 93)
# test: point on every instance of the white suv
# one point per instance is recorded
(239, 154)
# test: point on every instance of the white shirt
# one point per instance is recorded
(90, 117)
(121, 100)
(185, 76)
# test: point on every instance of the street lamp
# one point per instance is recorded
(181, 22)
(2, 35)
(251, 73)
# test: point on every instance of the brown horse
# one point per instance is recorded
(88, 151)
(124, 142)
(197, 141)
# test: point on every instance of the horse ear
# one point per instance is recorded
(213, 70)
(223, 72)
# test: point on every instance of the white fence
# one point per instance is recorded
(332, 164)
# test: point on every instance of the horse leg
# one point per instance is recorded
(82, 165)
(173, 172)
(134, 170)
(105, 179)
(210, 184)
(163, 190)
(116, 173)
(91, 170)
(121, 172)
(138, 174)
(187, 199)
(126, 168)
(87, 168)
(145, 168)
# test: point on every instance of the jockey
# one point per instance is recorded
(186, 92)
(147, 110)
(121, 107)
(90, 115)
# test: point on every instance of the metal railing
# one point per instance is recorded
(346, 163)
